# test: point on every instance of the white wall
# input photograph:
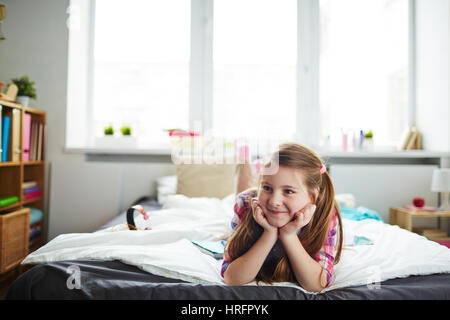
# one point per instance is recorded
(379, 187)
(85, 196)
(433, 73)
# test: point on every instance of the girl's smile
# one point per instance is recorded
(275, 211)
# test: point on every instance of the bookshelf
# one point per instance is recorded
(22, 175)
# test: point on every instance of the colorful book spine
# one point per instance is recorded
(33, 195)
(32, 189)
(29, 184)
(1, 131)
(5, 137)
(26, 137)
(7, 201)
(15, 135)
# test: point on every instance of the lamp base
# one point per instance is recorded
(445, 205)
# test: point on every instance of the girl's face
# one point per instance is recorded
(283, 194)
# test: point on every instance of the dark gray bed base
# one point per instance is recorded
(115, 280)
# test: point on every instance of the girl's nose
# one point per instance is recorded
(275, 200)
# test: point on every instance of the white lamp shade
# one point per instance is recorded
(441, 180)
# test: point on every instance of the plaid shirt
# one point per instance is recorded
(325, 256)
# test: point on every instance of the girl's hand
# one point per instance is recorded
(260, 218)
(301, 219)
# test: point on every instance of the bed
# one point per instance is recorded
(380, 261)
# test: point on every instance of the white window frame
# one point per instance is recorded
(201, 71)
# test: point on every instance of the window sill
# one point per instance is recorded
(119, 151)
(331, 153)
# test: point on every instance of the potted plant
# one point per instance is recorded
(126, 130)
(109, 131)
(26, 90)
(368, 140)
(111, 141)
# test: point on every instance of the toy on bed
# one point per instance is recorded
(130, 217)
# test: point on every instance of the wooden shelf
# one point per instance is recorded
(33, 163)
(11, 206)
(10, 164)
(11, 104)
(12, 176)
(28, 201)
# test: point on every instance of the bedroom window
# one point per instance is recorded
(364, 77)
(136, 68)
(254, 67)
(300, 69)
(141, 65)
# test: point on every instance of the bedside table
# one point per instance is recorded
(403, 218)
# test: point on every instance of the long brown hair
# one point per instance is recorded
(314, 234)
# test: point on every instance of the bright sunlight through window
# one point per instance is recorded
(141, 66)
(363, 68)
(254, 57)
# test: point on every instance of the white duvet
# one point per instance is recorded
(167, 250)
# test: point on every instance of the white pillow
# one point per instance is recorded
(166, 186)
(345, 199)
(206, 180)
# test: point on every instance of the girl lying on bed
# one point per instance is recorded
(288, 228)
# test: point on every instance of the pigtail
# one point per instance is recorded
(244, 236)
(327, 203)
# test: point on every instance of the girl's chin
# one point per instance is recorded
(278, 222)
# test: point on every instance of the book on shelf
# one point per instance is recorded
(31, 189)
(32, 140)
(7, 201)
(28, 184)
(6, 123)
(37, 136)
(39, 142)
(1, 144)
(32, 195)
(15, 135)
(26, 137)
(411, 139)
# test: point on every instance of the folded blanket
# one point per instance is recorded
(359, 213)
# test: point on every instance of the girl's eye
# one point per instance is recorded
(289, 191)
(266, 188)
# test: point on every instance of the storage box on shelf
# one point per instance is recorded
(22, 181)
(14, 232)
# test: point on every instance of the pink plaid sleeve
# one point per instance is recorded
(240, 210)
(325, 256)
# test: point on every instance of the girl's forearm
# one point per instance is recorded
(308, 272)
(245, 268)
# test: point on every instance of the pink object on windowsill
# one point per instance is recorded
(182, 133)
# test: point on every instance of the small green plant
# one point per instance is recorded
(109, 131)
(368, 134)
(25, 87)
(126, 130)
